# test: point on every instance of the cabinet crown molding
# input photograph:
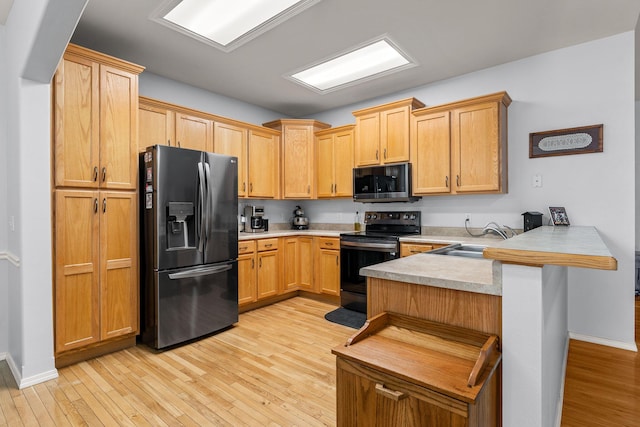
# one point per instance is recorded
(412, 102)
(103, 58)
(501, 97)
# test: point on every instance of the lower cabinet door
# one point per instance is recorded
(268, 274)
(77, 254)
(329, 271)
(247, 291)
(366, 401)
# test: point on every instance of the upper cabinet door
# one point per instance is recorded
(394, 135)
(297, 152)
(194, 132)
(325, 161)
(430, 153)
(118, 129)
(343, 157)
(156, 126)
(367, 146)
(476, 148)
(264, 166)
(76, 123)
(232, 141)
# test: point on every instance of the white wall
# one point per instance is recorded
(32, 28)
(581, 85)
(4, 295)
(158, 87)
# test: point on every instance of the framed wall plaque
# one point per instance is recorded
(561, 142)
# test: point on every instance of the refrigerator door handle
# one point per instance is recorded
(200, 209)
(197, 272)
(208, 220)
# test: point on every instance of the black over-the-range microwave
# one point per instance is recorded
(386, 183)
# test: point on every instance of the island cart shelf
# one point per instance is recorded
(405, 371)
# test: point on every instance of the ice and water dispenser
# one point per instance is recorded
(180, 225)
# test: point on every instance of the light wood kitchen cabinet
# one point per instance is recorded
(247, 275)
(163, 123)
(264, 164)
(194, 132)
(382, 133)
(403, 371)
(298, 156)
(334, 158)
(407, 249)
(96, 265)
(231, 139)
(157, 125)
(95, 230)
(461, 147)
(95, 133)
(297, 263)
(268, 261)
(258, 269)
(327, 262)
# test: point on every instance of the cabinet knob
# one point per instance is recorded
(244, 187)
(104, 174)
(253, 264)
(309, 189)
(446, 181)
(458, 180)
(95, 205)
(376, 154)
(385, 153)
(95, 173)
(179, 144)
(169, 142)
(104, 205)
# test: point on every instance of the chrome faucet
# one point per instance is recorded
(493, 227)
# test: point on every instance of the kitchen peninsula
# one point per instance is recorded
(519, 292)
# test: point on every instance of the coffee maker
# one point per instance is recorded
(253, 219)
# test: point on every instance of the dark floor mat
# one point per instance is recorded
(343, 316)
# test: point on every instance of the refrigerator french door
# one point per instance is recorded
(189, 241)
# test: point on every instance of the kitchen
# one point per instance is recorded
(591, 94)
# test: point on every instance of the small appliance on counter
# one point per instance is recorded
(532, 220)
(299, 221)
(254, 221)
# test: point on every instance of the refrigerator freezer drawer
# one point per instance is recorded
(191, 303)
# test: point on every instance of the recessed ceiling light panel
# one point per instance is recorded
(227, 24)
(372, 60)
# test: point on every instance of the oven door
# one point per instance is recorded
(355, 255)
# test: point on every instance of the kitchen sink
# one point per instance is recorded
(462, 250)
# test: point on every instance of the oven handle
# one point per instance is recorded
(369, 246)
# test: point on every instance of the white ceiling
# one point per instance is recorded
(446, 37)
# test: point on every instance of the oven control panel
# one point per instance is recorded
(392, 218)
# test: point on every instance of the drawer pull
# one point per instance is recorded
(268, 245)
(329, 243)
(391, 394)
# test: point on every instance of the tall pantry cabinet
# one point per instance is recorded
(95, 218)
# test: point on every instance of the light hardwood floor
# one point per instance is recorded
(602, 385)
(274, 368)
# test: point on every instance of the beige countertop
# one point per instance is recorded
(572, 246)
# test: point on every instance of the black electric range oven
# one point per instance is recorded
(379, 242)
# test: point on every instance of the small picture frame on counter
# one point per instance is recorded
(558, 216)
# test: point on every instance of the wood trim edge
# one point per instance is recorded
(524, 257)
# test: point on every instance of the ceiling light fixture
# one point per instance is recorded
(374, 59)
(227, 24)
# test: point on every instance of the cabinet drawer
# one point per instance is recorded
(329, 243)
(267, 244)
(246, 246)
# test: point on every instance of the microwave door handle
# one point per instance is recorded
(199, 272)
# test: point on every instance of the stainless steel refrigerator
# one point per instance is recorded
(189, 244)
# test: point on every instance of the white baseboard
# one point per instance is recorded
(13, 259)
(603, 341)
(564, 378)
(32, 380)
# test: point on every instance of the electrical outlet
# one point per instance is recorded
(536, 181)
